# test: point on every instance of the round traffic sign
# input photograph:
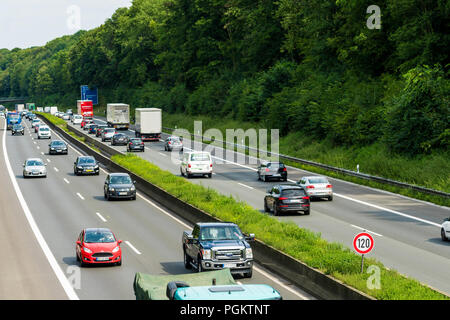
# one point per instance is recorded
(363, 243)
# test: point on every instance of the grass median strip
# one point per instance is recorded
(331, 258)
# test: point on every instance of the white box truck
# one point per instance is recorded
(118, 115)
(53, 110)
(148, 123)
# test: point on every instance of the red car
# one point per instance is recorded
(86, 121)
(98, 246)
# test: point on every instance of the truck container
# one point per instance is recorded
(85, 108)
(118, 115)
(12, 118)
(40, 109)
(148, 123)
(53, 110)
(47, 109)
(20, 107)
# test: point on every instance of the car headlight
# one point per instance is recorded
(133, 188)
(52, 148)
(249, 253)
(87, 250)
(79, 167)
(111, 189)
(116, 249)
(206, 253)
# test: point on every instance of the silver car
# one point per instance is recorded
(108, 133)
(173, 143)
(317, 187)
(34, 167)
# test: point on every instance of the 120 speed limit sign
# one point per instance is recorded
(363, 243)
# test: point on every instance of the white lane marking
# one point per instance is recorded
(34, 142)
(48, 160)
(56, 169)
(100, 216)
(80, 196)
(244, 185)
(38, 147)
(42, 153)
(67, 181)
(132, 247)
(389, 210)
(70, 292)
(364, 229)
(162, 154)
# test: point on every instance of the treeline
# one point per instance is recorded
(298, 65)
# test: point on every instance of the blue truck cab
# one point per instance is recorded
(226, 292)
(13, 118)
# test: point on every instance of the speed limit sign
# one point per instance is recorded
(363, 243)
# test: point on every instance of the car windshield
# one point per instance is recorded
(86, 161)
(77, 117)
(17, 126)
(120, 135)
(317, 180)
(109, 130)
(175, 139)
(275, 165)
(135, 140)
(99, 236)
(58, 143)
(14, 116)
(200, 157)
(32, 163)
(293, 193)
(44, 129)
(220, 233)
(120, 180)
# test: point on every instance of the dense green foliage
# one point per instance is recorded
(300, 66)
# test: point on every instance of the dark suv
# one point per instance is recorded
(57, 147)
(119, 185)
(86, 165)
(283, 198)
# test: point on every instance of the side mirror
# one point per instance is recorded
(250, 237)
(190, 239)
(134, 181)
(119, 242)
(79, 242)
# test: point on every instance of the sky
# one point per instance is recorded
(27, 23)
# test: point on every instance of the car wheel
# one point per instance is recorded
(181, 171)
(265, 178)
(330, 198)
(443, 237)
(210, 175)
(275, 210)
(248, 274)
(266, 208)
(78, 258)
(187, 260)
(199, 265)
(120, 262)
(307, 212)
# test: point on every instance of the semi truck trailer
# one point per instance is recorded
(148, 123)
(118, 115)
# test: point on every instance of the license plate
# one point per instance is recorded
(89, 170)
(58, 150)
(229, 265)
(103, 259)
(122, 193)
(295, 201)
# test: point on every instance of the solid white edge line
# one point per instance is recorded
(70, 292)
(244, 185)
(132, 247)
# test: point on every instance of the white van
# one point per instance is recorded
(44, 132)
(196, 163)
(77, 119)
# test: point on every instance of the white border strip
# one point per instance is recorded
(37, 233)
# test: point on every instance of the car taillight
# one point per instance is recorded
(142, 143)
(282, 198)
(267, 170)
(170, 142)
(329, 186)
(210, 165)
(189, 165)
(309, 187)
(284, 169)
(305, 198)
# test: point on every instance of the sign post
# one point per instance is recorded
(363, 244)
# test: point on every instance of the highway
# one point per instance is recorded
(406, 231)
(63, 204)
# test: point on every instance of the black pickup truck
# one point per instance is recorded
(215, 246)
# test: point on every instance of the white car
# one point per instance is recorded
(317, 187)
(445, 230)
(44, 132)
(77, 119)
(196, 163)
(34, 167)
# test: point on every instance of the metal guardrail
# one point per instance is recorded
(330, 168)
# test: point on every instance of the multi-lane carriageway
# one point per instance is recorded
(406, 231)
(41, 218)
